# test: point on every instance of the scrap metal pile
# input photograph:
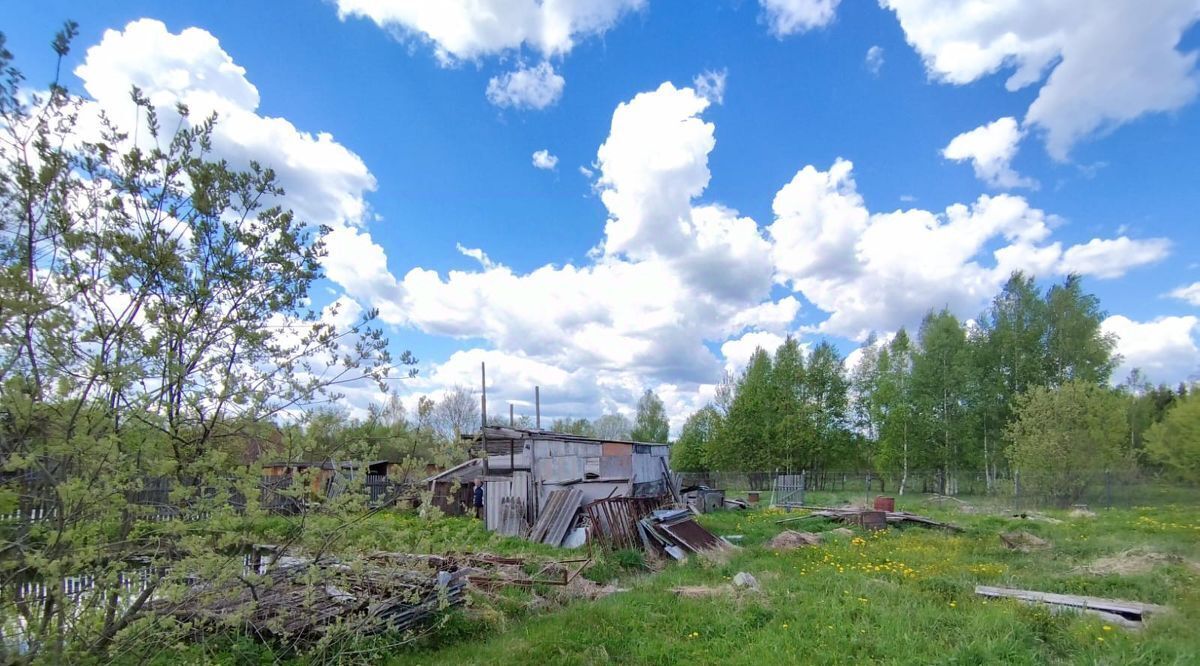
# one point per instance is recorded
(650, 524)
(673, 532)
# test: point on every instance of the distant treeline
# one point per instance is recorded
(947, 399)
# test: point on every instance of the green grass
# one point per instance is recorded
(900, 596)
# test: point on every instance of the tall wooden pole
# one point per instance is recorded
(537, 405)
(483, 395)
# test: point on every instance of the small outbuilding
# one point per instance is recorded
(523, 466)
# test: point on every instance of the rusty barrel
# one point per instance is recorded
(885, 503)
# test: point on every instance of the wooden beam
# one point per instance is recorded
(1130, 610)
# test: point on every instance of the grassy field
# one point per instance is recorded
(899, 596)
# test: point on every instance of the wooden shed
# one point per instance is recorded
(522, 466)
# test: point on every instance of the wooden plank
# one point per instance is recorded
(1128, 609)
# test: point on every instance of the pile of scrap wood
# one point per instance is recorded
(304, 600)
(871, 519)
(673, 532)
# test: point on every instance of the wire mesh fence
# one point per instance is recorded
(1092, 488)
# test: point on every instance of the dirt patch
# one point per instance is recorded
(1134, 562)
(791, 539)
(1023, 542)
(1081, 513)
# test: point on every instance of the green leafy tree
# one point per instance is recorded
(742, 442)
(581, 427)
(789, 429)
(651, 423)
(1174, 442)
(153, 317)
(1076, 347)
(1065, 438)
(940, 394)
(865, 384)
(614, 426)
(826, 392)
(894, 400)
(690, 452)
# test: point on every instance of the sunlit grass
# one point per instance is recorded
(902, 596)
(897, 596)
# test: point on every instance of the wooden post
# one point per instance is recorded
(511, 421)
(483, 415)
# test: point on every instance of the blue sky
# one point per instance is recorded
(1093, 172)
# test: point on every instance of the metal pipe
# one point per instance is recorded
(537, 405)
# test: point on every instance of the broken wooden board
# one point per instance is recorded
(1125, 613)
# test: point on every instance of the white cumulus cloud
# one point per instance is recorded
(737, 352)
(789, 17)
(526, 87)
(326, 183)
(1113, 257)
(544, 159)
(472, 29)
(878, 271)
(1165, 348)
(991, 149)
(1100, 64)
(466, 29)
(1189, 293)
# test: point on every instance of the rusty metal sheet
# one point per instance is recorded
(690, 535)
(614, 521)
(617, 449)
